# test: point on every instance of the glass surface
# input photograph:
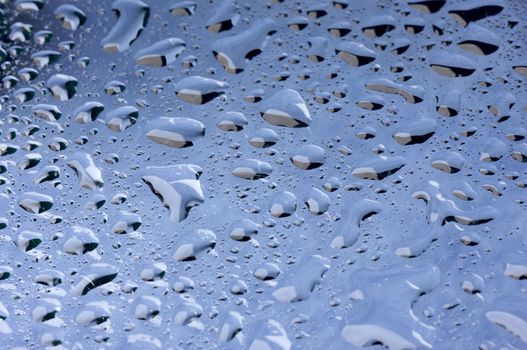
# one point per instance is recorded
(263, 174)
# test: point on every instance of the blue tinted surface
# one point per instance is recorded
(263, 174)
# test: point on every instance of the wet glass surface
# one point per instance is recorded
(263, 174)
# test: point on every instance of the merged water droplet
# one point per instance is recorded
(286, 108)
(199, 90)
(175, 132)
(252, 169)
(62, 87)
(160, 54)
(132, 19)
(224, 18)
(71, 16)
(232, 52)
(177, 186)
